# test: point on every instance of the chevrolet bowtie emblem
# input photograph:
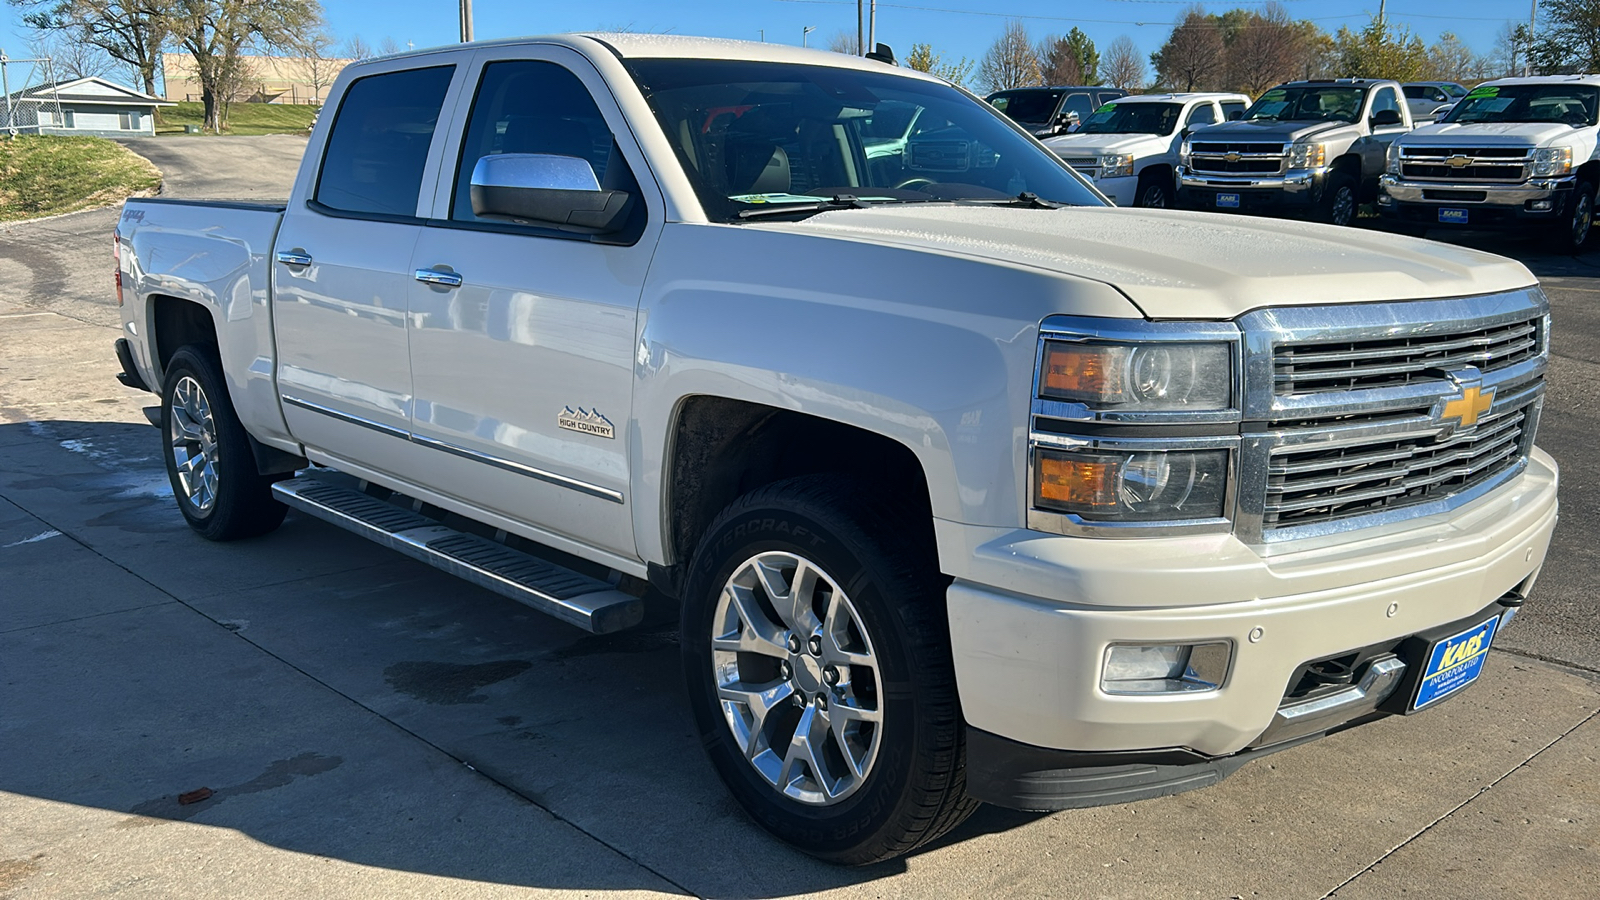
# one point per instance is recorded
(1232, 156)
(1458, 161)
(1468, 407)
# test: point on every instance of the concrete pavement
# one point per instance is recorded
(369, 727)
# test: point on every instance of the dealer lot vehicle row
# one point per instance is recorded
(1003, 495)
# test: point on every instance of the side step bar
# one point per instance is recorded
(588, 603)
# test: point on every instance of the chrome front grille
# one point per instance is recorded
(1314, 484)
(1383, 361)
(1511, 165)
(1348, 414)
(1235, 159)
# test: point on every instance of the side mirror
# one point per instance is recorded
(544, 189)
(1387, 117)
(1236, 115)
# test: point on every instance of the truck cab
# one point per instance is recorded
(1305, 148)
(1129, 147)
(1512, 153)
(1048, 111)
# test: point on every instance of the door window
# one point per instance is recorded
(1202, 114)
(530, 106)
(378, 149)
(1078, 103)
(1232, 109)
(1384, 99)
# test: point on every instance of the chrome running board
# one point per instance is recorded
(589, 603)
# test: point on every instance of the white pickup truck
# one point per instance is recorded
(969, 486)
(1512, 154)
(1129, 147)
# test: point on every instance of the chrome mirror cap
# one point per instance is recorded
(544, 171)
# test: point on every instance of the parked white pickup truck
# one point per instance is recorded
(1129, 147)
(1513, 153)
(971, 487)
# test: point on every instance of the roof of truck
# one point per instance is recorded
(1543, 79)
(1182, 97)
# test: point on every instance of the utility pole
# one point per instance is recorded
(861, 48)
(872, 28)
(5, 88)
(1533, 13)
(466, 21)
(804, 31)
(1384, 3)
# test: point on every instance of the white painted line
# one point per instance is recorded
(41, 536)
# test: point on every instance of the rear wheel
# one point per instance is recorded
(1339, 200)
(818, 662)
(209, 463)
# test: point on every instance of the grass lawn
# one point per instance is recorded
(46, 175)
(243, 118)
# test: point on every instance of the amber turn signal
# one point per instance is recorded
(1082, 371)
(1077, 482)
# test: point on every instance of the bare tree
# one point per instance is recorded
(389, 47)
(1193, 56)
(844, 42)
(217, 32)
(357, 49)
(321, 64)
(130, 31)
(1124, 67)
(1266, 51)
(72, 59)
(1449, 59)
(1011, 61)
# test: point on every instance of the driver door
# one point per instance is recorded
(1374, 147)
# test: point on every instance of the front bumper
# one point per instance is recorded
(1487, 205)
(1122, 189)
(1032, 616)
(1296, 191)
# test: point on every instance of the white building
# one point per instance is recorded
(91, 106)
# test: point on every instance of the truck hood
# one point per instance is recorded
(1185, 265)
(1489, 134)
(1268, 132)
(1076, 145)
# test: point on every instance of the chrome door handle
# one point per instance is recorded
(295, 257)
(434, 276)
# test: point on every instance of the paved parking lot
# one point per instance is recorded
(369, 727)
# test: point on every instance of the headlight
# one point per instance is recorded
(1393, 158)
(1183, 154)
(1122, 486)
(1552, 161)
(1137, 377)
(1311, 155)
(1115, 164)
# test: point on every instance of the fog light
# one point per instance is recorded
(1165, 668)
(1539, 205)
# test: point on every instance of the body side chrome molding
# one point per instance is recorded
(582, 487)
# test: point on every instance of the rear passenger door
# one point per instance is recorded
(524, 371)
(340, 279)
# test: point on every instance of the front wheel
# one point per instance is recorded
(1339, 200)
(1573, 234)
(1153, 193)
(213, 472)
(817, 655)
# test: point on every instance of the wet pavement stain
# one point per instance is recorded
(451, 683)
(278, 774)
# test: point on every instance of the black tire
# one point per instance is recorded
(1341, 199)
(1154, 192)
(915, 788)
(238, 503)
(1572, 235)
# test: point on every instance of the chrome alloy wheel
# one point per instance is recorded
(1582, 216)
(1344, 207)
(797, 678)
(192, 434)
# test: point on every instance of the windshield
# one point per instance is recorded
(1454, 90)
(1133, 118)
(1308, 103)
(755, 135)
(1572, 104)
(1033, 107)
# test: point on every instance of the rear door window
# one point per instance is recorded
(376, 154)
(1230, 107)
(1202, 114)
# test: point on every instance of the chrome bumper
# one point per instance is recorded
(1495, 194)
(1294, 181)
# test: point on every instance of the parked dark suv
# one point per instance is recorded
(1047, 111)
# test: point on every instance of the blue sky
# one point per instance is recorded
(954, 27)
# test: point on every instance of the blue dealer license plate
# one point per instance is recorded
(1227, 201)
(1453, 216)
(1455, 662)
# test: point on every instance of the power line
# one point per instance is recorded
(1000, 15)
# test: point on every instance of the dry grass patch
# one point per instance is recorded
(47, 175)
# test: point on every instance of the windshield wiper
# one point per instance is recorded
(837, 201)
(1024, 200)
